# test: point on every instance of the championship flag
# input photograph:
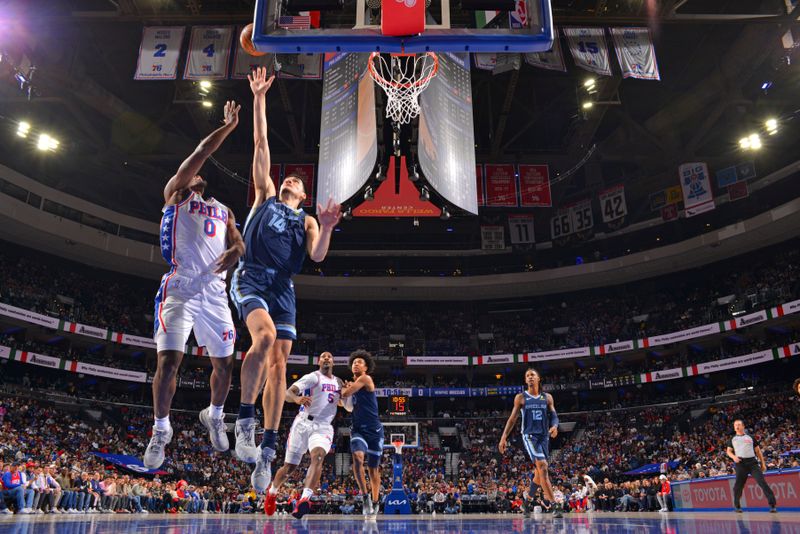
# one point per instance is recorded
(588, 47)
(501, 185)
(635, 52)
(553, 59)
(159, 53)
(697, 195)
(534, 186)
(306, 173)
(209, 50)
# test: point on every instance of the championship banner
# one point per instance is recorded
(77, 328)
(131, 463)
(550, 60)
(306, 173)
(612, 203)
(534, 186)
(493, 238)
(635, 52)
(501, 186)
(697, 195)
(209, 49)
(244, 63)
(479, 177)
(28, 316)
(520, 229)
(588, 47)
(159, 53)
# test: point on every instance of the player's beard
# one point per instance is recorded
(199, 187)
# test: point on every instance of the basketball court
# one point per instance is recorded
(642, 523)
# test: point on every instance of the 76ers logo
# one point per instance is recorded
(229, 335)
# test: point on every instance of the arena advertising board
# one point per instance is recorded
(717, 493)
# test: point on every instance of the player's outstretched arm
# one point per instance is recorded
(293, 395)
(191, 165)
(318, 236)
(235, 245)
(553, 416)
(363, 381)
(519, 401)
(259, 85)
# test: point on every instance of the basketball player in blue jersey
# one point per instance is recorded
(278, 235)
(200, 241)
(539, 424)
(366, 433)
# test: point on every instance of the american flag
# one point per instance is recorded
(295, 23)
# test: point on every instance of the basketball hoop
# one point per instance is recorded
(398, 446)
(403, 77)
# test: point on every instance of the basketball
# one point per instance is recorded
(246, 40)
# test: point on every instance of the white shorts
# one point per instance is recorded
(305, 436)
(199, 302)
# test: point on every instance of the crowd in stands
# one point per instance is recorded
(633, 311)
(48, 465)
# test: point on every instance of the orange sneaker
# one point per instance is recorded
(270, 503)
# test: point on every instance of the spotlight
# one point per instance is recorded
(755, 142)
(207, 104)
(587, 105)
(23, 129)
(744, 142)
(47, 143)
(445, 216)
(205, 84)
(766, 85)
(589, 83)
(424, 194)
(772, 126)
(369, 194)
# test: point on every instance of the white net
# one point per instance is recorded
(403, 77)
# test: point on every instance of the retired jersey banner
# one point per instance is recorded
(305, 172)
(553, 59)
(520, 229)
(635, 52)
(697, 196)
(534, 186)
(501, 185)
(612, 203)
(493, 238)
(209, 50)
(581, 216)
(485, 61)
(159, 53)
(479, 177)
(589, 50)
(244, 63)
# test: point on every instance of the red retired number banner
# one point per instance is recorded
(534, 186)
(501, 186)
(306, 173)
(274, 173)
(479, 175)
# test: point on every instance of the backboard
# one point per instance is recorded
(393, 431)
(446, 29)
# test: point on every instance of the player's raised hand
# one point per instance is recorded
(303, 401)
(231, 113)
(330, 215)
(502, 446)
(553, 431)
(259, 83)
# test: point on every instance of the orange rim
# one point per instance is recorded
(380, 79)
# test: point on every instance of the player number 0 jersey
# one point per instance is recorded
(194, 233)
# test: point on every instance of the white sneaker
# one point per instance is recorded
(246, 449)
(217, 430)
(154, 455)
(367, 506)
(262, 474)
(26, 511)
(6, 511)
(664, 510)
(39, 511)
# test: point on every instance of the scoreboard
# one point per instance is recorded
(399, 405)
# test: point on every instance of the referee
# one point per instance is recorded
(743, 450)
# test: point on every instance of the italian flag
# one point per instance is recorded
(476, 360)
(482, 18)
(774, 313)
(645, 378)
(521, 358)
(690, 370)
(782, 352)
(597, 351)
(67, 326)
(240, 355)
(19, 355)
(68, 365)
(641, 343)
(725, 326)
(116, 337)
(196, 351)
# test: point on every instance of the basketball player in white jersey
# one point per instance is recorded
(318, 395)
(200, 241)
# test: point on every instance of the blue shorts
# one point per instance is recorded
(263, 288)
(369, 442)
(537, 446)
